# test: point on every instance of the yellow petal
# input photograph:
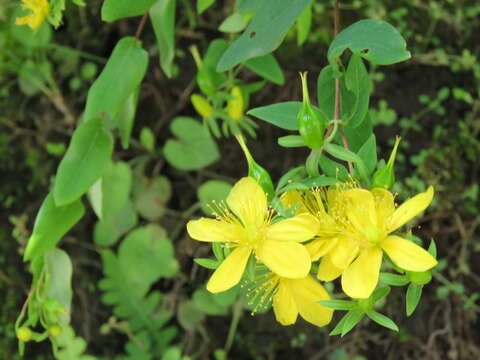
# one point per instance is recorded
(299, 228)
(327, 271)
(408, 255)
(284, 305)
(320, 247)
(248, 201)
(409, 209)
(307, 292)
(344, 252)
(213, 230)
(291, 198)
(384, 203)
(361, 277)
(285, 258)
(362, 214)
(229, 273)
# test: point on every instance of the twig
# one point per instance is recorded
(141, 25)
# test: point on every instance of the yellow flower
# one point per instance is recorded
(291, 297)
(364, 222)
(247, 227)
(39, 9)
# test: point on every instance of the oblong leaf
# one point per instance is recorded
(265, 32)
(375, 40)
(283, 115)
(338, 304)
(118, 9)
(119, 79)
(51, 223)
(382, 320)
(87, 157)
(267, 67)
(162, 16)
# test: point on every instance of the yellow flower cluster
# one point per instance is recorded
(39, 11)
(347, 228)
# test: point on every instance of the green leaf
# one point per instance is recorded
(51, 224)
(247, 6)
(218, 251)
(414, 293)
(147, 139)
(338, 304)
(368, 153)
(162, 16)
(304, 23)
(309, 183)
(375, 40)
(291, 141)
(358, 82)
(194, 149)
(172, 353)
(267, 67)
(228, 297)
(333, 169)
(265, 32)
(110, 194)
(87, 157)
(326, 93)
(293, 175)
(59, 280)
(203, 5)
(205, 302)
(70, 346)
(343, 154)
(234, 23)
(393, 279)
(382, 320)
(113, 225)
(119, 79)
(283, 115)
(125, 118)
(352, 318)
(150, 196)
(337, 330)
(379, 293)
(356, 137)
(432, 249)
(212, 191)
(147, 257)
(211, 264)
(118, 9)
(189, 315)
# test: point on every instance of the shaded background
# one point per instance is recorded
(430, 100)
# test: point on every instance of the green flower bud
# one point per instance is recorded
(256, 171)
(385, 177)
(54, 330)
(311, 123)
(24, 334)
(235, 105)
(420, 278)
(201, 105)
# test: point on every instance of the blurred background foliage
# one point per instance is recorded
(431, 101)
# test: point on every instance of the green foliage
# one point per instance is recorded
(87, 157)
(118, 9)
(127, 283)
(51, 224)
(162, 16)
(265, 32)
(119, 79)
(211, 192)
(385, 48)
(193, 148)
